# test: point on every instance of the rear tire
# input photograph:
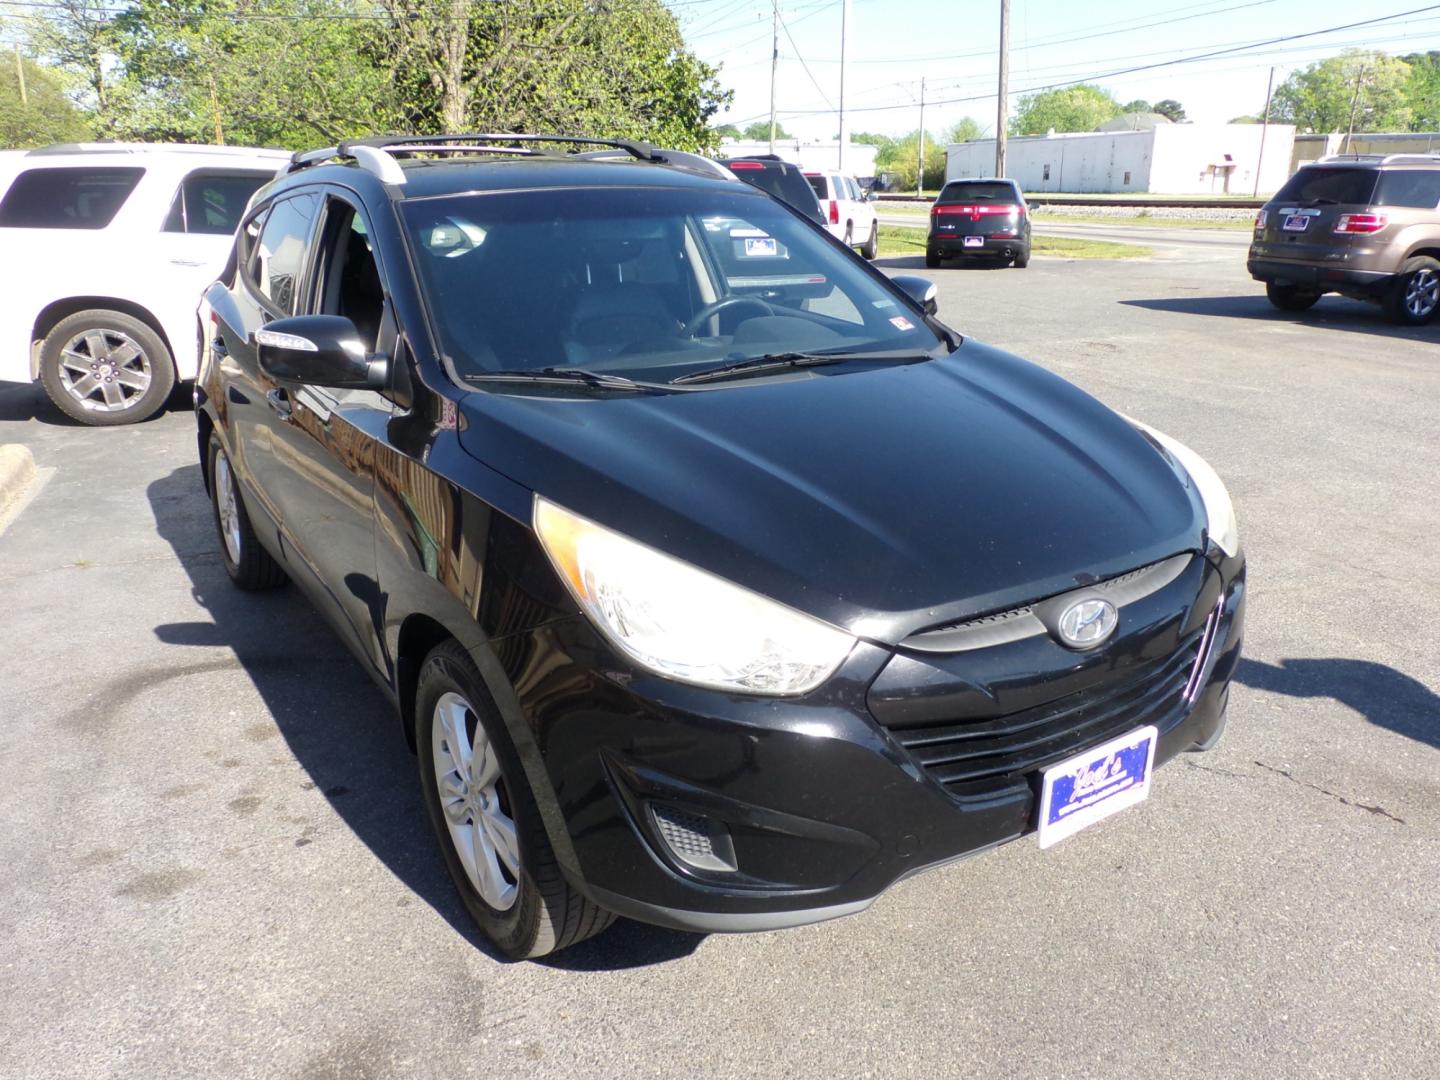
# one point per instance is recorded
(105, 368)
(872, 246)
(1022, 259)
(489, 815)
(1414, 296)
(932, 261)
(249, 565)
(1290, 297)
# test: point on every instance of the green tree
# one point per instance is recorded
(1422, 91)
(44, 115)
(966, 129)
(760, 131)
(902, 158)
(1170, 109)
(1139, 105)
(1070, 108)
(727, 131)
(1246, 119)
(1319, 97)
(78, 36)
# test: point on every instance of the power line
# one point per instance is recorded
(1146, 67)
(813, 82)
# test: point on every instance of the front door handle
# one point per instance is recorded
(279, 400)
(218, 346)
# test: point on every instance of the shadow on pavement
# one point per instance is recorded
(27, 401)
(1386, 697)
(1332, 312)
(340, 728)
(917, 262)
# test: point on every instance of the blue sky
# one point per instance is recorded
(953, 44)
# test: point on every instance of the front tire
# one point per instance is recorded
(1414, 296)
(872, 245)
(105, 368)
(1290, 298)
(484, 815)
(249, 565)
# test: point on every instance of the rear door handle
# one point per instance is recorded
(279, 400)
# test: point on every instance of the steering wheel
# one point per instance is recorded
(691, 328)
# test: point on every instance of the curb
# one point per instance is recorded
(17, 469)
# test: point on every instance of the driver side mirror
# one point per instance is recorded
(320, 350)
(921, 290)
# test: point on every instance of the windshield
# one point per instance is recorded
(1328, 184)
(647, 283)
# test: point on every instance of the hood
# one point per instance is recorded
(885, 500)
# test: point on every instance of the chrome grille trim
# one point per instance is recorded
(1019, 623)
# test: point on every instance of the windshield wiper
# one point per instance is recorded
(583, 376)
(777, 361)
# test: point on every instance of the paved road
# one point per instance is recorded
(215, 861)
(1189, 243)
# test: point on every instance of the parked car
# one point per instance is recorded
(1366, 226)
(781, 179)
(717, 582)
(848, 213)
(979, 219)
(107, 248)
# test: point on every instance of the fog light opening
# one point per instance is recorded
(697, 841)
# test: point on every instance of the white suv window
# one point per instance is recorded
(211, 201)
(67, 198)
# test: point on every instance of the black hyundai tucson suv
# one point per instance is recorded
(716, 582)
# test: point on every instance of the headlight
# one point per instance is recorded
(681, 622)
(1219, 511)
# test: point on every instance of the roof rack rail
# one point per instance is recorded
(377, 155)
(1383, 159)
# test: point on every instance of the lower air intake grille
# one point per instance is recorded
(690, 839)
(982, 757)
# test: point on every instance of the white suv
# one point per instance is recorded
(105, 249)
(849, 213)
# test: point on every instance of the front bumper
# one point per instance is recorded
(822, 806)
(1320, 277)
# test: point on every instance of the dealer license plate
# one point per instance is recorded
(974, 241)
(1093, 785)
(1296, 223)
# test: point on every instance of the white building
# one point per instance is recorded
(859, 157)
(1170, 159)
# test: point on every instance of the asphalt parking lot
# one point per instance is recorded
(216, 860)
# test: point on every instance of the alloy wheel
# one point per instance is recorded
(227, 507)
(104, 370)
(1422, 293)
(475, 802)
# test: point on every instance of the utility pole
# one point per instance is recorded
(844, 55)
(920, 173)
(774, 62)
(1264, 128)
(1004, 93)
(1354, 100)
(20, 74)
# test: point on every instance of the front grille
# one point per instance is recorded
(982, 758)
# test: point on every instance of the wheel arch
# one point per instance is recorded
(1430, 249)
(419, 634)
(57, 310)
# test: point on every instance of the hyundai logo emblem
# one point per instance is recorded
(1087, 622)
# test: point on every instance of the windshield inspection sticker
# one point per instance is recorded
(765, 246)
(736, 233)
(902, 323)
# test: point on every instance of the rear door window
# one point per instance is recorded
(279, 257)
(818, 183)
(212, 202)
(1326, 184)
(78, 198)
(1419, 188)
